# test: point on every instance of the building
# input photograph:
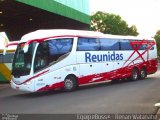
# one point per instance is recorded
(18, 17)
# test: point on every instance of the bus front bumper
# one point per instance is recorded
(28, 87)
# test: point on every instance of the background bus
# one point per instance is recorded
(6, 65)
(7, 59)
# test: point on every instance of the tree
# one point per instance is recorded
(111, 24)
(157, 38)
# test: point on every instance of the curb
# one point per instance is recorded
(4, 85)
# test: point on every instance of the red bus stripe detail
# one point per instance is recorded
(142, 54)
(33, 77)
(43, 39)
(12, 44)
(120, 73)
(136, 48)
(124, 72)
(51, 87)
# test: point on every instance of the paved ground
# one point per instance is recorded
(123, 97)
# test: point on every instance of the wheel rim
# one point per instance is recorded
(135, 75)
(143, 74)
(68, 84)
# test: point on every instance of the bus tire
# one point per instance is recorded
(143, 73)
(134, 74)
(70, 83)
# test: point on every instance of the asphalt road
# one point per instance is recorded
(123, 97)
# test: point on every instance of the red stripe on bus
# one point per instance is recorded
(43, 39)
(33, 77)
(12, 44)
(140, 43)
(120, 73)
(52, 87)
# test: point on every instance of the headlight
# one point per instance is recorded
(28, 83)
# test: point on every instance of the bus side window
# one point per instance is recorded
(59, 47)
(152, 48)
(41, 59)
(109, 44)
(125, 45)
(88, 44)
(146, 46)
(143, 47)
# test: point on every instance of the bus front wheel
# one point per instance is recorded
(70, 83)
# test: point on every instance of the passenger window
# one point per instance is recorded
(109, 44)
(88, 44)
(143, 47)
(59, 48)
(42, 56)
(152, 44)
(125, 45)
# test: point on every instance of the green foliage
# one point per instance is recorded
(111, 24)
(157, 38)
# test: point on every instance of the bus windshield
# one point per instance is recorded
(22, 61)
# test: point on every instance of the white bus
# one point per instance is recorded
(51, 59)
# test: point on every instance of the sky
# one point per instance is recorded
(145, 14)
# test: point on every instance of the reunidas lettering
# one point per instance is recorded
(102, 57)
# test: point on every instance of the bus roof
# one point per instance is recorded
(128, 37)
(41, 34)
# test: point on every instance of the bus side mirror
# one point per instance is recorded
(25, 48)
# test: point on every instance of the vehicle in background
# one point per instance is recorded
(6, 60)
